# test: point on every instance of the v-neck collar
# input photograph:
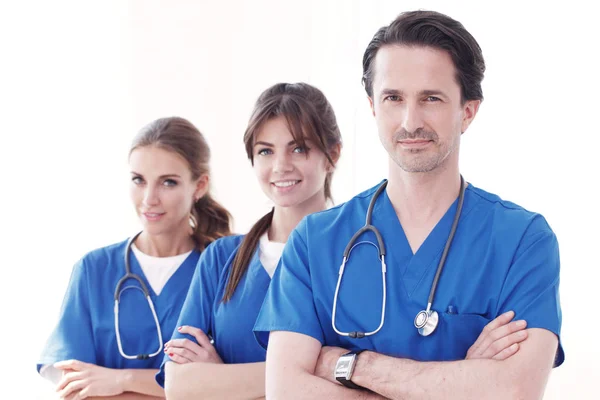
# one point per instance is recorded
(257, 267)
(413, 267)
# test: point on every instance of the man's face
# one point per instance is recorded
(417, 106)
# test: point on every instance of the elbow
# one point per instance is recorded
(176, 391)
(174, 387)
(520, 390)
(285, 390)
(173, 391)
(276, 394)
(179, 387)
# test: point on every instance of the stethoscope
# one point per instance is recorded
(144, 289)
(426, 320)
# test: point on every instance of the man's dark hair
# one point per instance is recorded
(438, 31)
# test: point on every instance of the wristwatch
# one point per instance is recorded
(345, 367)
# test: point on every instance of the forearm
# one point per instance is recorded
(300, 384)
(141, 381)
(215, 381)
(128, 396)
(407, 379)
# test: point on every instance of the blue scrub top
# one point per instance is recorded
(503, 258)
(229, 324)
(86, 329)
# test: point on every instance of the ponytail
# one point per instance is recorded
(245, 253)
(211, 221)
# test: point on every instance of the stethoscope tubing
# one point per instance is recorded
(118, 290)
(428, 323)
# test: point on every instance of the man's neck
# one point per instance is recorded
(421, 199)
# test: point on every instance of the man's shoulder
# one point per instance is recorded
(507, 213)
(340, 213)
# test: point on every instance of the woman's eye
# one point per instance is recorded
(170, 182)
(137, 180)
(264, 152)
(300, 149)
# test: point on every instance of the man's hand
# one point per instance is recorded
(499, 339)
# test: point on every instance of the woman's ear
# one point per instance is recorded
(202, 186)
(334, 153)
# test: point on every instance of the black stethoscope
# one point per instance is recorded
(426, 320)
(144, 289)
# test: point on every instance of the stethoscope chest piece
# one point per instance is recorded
(426, 321)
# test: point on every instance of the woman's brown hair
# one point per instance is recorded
(210, 220)
(309, 116)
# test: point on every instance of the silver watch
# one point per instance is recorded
(344, 369)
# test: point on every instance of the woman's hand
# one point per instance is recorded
(183, 351)
(81, 380)
(499, 339)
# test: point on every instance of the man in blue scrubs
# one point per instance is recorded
(422, 74)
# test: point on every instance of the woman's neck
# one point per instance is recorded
(166, 244)
(285, 219)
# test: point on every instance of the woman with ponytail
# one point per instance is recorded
(293, 143)
(99, 350)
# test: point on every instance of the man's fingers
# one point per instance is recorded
(500, 320)
(505, 343)
(494, 338)
(506, 353)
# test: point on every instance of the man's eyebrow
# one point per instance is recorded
(391, 92)
(433, 92)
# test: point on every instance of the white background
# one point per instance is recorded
(78, 79)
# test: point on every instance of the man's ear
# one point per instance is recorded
(372, 105)
(469, 112)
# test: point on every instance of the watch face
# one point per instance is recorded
(343, 367)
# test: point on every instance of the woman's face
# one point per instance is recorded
(162, 189)
(290, 175)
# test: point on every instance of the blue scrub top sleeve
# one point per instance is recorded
(197, 308)
(531, 286)
(73, 337)
(289, 305)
